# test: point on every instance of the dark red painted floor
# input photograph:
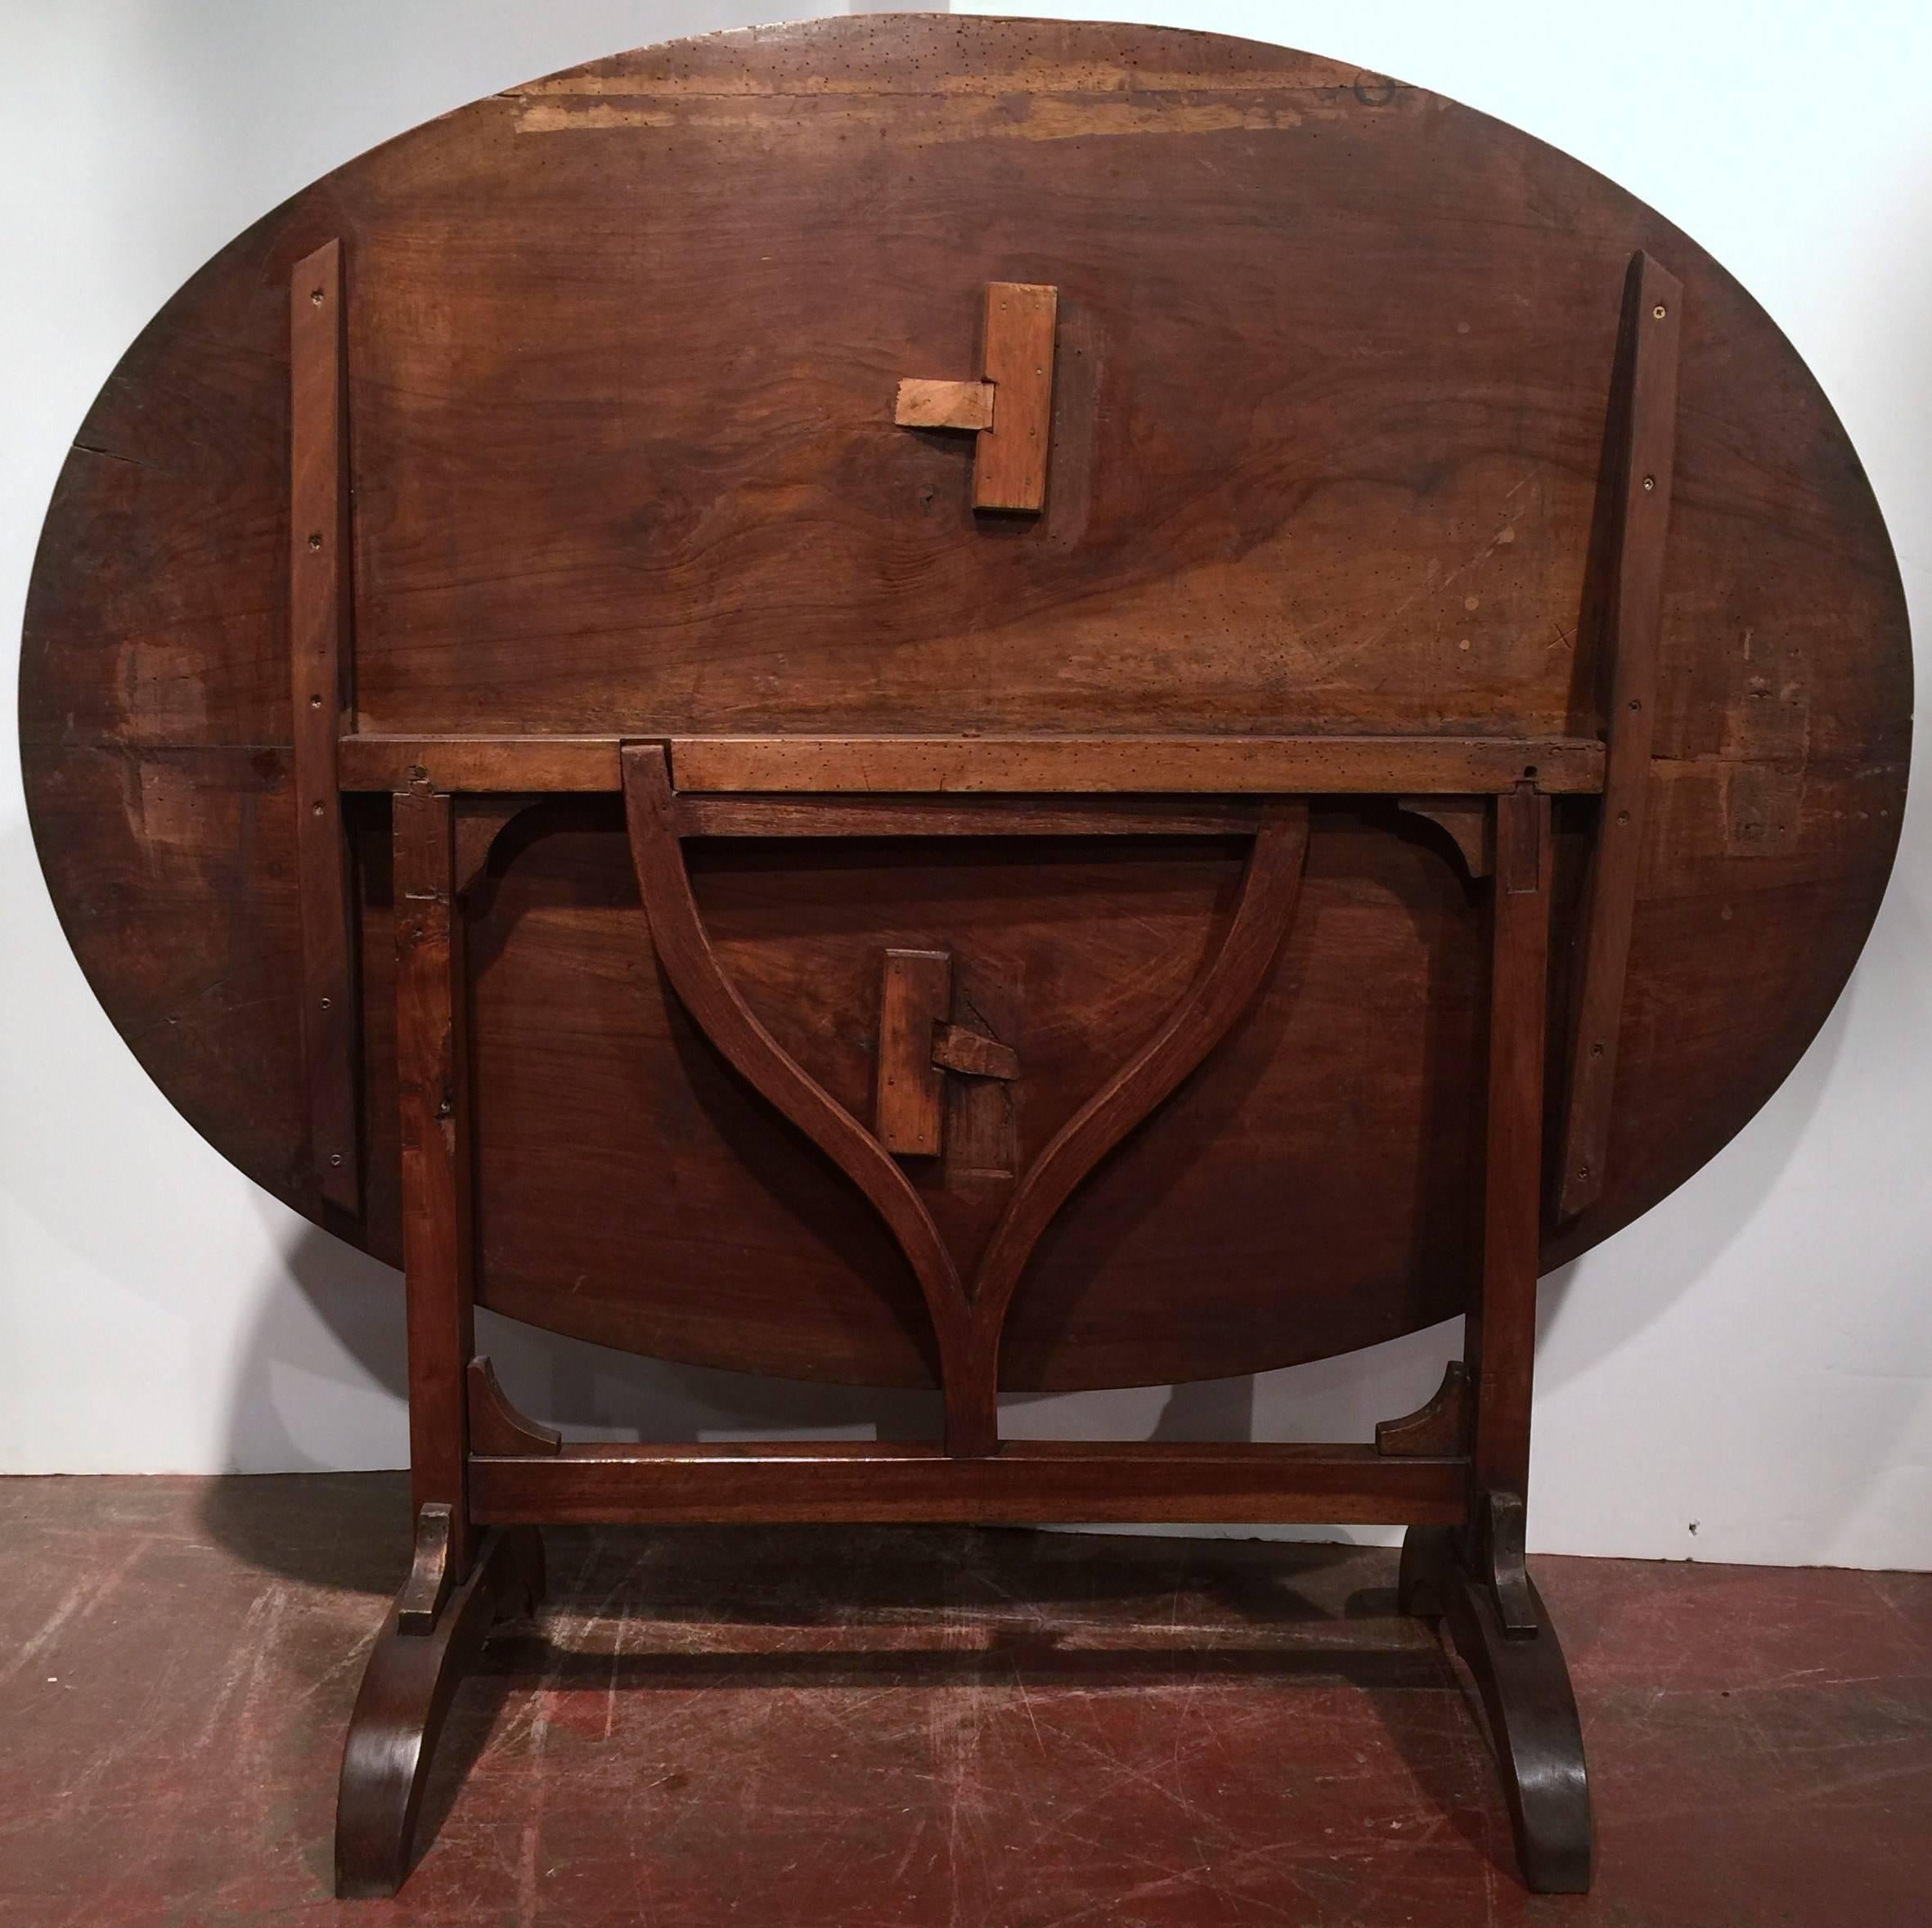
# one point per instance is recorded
(864, 1728)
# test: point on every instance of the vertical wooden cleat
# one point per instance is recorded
(319, 655)
(1009, 461)
(915, 998)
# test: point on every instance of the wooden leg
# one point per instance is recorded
(1428, 1555)
(1525, 1686)
(406, 1693)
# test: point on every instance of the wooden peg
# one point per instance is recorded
(1010, 408)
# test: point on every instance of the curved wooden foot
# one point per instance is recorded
(1525, 1686)
(405, 1692)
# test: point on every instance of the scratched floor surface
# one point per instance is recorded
(860, 1727)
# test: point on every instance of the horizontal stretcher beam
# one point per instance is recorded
(926, 765)
(1023, 1481)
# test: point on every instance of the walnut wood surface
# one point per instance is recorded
(912, 1480)
(438, 1216)
(1645, 442)
(903, 762)
(320, 650)
(1328, 442)
(1530, 1708)
(407, 1685)
(1009, 458)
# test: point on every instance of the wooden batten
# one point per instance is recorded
(1010, 460)
(743, 767)
(319, 660)
(1648, 404)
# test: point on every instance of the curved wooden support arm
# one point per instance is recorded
(728, 1021)
(968, 1330)
(1196, 1024)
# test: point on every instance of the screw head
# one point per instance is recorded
(315, 295)
(336, 1157)
(1657, 312)
(315, 539)
(1650, 482)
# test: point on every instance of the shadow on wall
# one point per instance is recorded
(594, 1392)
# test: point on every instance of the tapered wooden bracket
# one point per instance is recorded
(1438, 1429)
(430, 1577)
(1010, 408)
(1646, 400)
(1464, 820)
(496, 1426)
(1498, 1530)
(319, 659)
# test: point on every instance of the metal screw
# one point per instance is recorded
(315, 702)
(1658, 312)
(1623, 817)
(1650, 482)
(336, 1157)
(1596, 1050)
(1635, 704)
(315, 295)
(315, 541)
(325, 1003)
(1583, 1171)
(315, 810)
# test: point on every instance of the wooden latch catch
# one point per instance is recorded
(918, 1044)
(1010, 408)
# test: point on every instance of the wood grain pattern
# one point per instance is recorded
(1440, 1426)
(1026, 1480)
(728, 1020)
(1010, 460)
(943, 404)
(1332, 764)
(438, 1218)
(320, 650)
(1197, 1023)
(1647, 462)
(1501, 1336)
(1288, 486)
(915, 995)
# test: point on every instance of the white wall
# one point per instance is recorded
(1741, 1376)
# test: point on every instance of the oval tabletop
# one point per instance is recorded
(1329, 414)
